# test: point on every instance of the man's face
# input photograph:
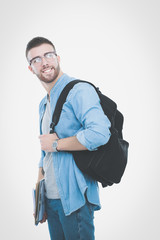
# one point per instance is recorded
(48, 69)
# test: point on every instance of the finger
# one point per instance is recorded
(41, 136)
(43, 220)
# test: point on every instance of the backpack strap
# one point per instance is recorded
(111, 106)
(60, 102)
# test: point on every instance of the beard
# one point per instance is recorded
(51, 76)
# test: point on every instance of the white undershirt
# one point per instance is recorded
(50, 181)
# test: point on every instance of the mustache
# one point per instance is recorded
(47, 67)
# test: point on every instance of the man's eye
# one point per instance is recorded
(37, 60)
(49, 55)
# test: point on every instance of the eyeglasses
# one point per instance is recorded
(49, 56)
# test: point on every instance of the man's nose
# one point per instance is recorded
(44, 61)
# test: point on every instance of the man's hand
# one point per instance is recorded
(44, 218)
(47, 140)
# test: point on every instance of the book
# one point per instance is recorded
(39, 201)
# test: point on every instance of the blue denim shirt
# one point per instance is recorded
(83, 117)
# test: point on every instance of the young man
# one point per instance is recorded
(71, 196)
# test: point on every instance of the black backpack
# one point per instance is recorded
(107, 164)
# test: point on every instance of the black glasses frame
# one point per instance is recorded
(30, 62)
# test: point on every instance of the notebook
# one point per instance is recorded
(39, 201)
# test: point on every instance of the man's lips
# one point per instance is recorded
(47, 70)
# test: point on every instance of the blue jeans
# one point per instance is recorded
(78, 225)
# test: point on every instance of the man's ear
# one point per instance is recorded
(31, 69)
(58, 57)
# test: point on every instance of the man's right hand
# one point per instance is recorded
(44, 218)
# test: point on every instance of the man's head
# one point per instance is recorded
(43, 60)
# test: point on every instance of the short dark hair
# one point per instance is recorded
(37, 41)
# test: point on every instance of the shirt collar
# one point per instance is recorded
(58, 83)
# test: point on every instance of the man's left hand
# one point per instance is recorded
(47, 140)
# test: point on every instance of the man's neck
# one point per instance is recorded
(49, 86)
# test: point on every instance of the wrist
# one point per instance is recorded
(55, 146)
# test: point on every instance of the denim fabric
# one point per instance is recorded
(82, 116)
(77, 226)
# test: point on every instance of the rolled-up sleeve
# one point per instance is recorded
(87, 108)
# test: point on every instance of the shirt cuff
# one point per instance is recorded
(80, 137)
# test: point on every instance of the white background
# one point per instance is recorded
(114, 44)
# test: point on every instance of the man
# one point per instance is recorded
(71, 196)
